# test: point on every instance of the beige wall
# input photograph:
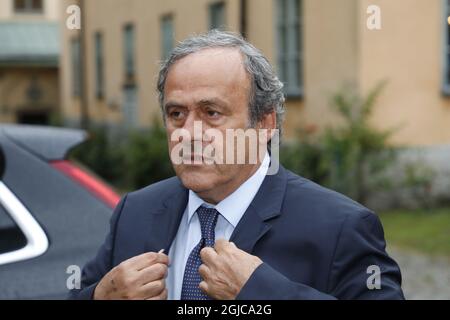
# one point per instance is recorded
(5, 9)
(338, 51)
(146, 16)
(330, 57)
(407, 52)
(109, 17)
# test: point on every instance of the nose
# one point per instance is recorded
(194, 126)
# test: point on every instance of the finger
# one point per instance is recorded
(154, 272)
(150, 259)
(162, 252)
(161, 296)
(146, 259)
(204, 287)
(208, 255)
(204, 272)
(153, 289)
(221, 244)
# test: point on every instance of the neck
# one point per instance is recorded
(221, 192)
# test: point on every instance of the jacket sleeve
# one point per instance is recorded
(359, 254)
(95, 269)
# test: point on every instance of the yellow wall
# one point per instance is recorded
(407, 52)
(145, 15)
(338, 51)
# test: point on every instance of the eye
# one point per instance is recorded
(176, 115)
(213, 113)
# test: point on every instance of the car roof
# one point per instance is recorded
(48, 143)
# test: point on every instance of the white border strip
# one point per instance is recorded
(37, 242)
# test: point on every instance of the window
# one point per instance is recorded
(76, 65)
(12, 238)
(446, 53)
(217, 16)
(129, 54)
(28, 6)
(289, 61)
(167, 36)
(99, 69)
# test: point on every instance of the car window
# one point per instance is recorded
(11, 237)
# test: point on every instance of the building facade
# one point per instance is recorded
(318, 47)
(29, 61)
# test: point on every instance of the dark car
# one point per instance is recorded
(54, 214)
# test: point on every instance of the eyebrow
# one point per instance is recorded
(202, 103)
(213, 102)
(172, 104)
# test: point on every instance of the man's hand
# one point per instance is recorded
(141, 277)
(225, 270)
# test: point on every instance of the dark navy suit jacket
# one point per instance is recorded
(314, 242)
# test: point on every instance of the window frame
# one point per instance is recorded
(28, 9)
(99, 57)
(445, 71)
(284, 59)
(166, 18)
(75, 60)
(211, 10)
(129, 53)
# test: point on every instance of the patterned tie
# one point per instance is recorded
(192, 278)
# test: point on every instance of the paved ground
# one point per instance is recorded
(424, 277)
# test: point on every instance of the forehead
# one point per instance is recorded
(215, 67)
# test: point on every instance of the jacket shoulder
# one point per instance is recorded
(157, 191)
(321, 202)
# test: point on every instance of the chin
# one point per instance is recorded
(196, 179)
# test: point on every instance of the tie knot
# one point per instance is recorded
(208, 220)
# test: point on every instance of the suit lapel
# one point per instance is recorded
(166, 220)
(266, 205)
(254, 224)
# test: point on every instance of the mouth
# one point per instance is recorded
(194, 159)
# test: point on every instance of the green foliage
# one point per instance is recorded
(304, 157)
(128, 160)
(418, 178)
(147, 158)
(102, 155)
(355, 154)
(349, 158)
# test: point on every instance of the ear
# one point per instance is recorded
(269, 122)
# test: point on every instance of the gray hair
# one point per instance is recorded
(266, 90)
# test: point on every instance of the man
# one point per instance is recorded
(229, 230)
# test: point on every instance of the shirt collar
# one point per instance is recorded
(233, 207)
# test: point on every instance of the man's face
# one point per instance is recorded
(213, 87)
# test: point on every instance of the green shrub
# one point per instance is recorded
(101, 155)
(129, 159)
(356, 154)
(147, 158)
(350, 158)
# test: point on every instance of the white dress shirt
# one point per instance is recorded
(231, 210)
